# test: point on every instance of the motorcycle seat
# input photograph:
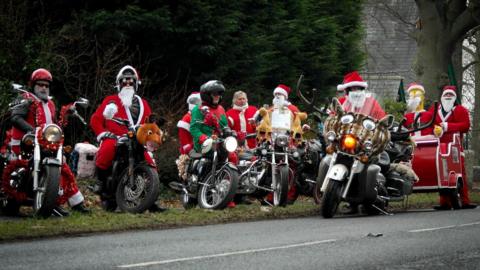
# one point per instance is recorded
(245, 155)
(194, 155)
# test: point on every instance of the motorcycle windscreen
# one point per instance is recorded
(369, 107)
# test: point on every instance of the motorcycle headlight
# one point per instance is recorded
(331, 136)
(231, 144)
(369, 124)
(349, 143)
(281, 140)
(52, 133)
(347, 119)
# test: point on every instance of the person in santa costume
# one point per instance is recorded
(452, 118)
(357, 99)
(416, 114)
(124, 105)
(241, 116)
(33, 109)
(184, 136)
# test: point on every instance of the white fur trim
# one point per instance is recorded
(47, 112)
(445, 126)
(100, 136)
(110, 110)
(450, 91)
(77, 198)
(184, 125)
(351, 84)
(186, 146)
(243, 121)
(417, 86)
(14, 142)
(192, 97)
(230, 119)
(280, 90)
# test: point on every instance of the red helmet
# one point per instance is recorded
(40, 74)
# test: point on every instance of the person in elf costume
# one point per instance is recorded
(452, 118)
(31, 110)
(209, 118)
(416, 114)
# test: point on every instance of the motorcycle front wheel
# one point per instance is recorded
(331, 199)
(45, 198)
(141, 194)
(280, 188)
(219, 190)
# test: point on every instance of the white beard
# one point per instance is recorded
(126, 95)
(191, 106)
(40, 95)
(279, 101)
(413, 103)
(357, 98)
(240, 108)
(448, 103)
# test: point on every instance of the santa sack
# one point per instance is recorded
(86, 160)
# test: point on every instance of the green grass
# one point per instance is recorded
(101, 221)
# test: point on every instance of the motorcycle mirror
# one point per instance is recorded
(82, 102)
(17, 88)
(387, 121)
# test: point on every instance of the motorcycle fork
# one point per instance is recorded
(131, 162)
(353, 171)
(36, 162)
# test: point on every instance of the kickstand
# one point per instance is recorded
(382, 211)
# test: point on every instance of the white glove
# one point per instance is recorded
(305, 127)
(110, 110)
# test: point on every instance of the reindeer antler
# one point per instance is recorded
(304, 99)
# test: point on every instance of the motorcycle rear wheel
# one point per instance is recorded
(45, 198)
(142, 194)
(280, 190)
(331, 199)
(218, 191)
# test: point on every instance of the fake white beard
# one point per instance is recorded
(447, 103)
(126, 95)
(279, 101)
(40, 95)
(413, 103)
(240, 108)
(191, 106)
(357, 98)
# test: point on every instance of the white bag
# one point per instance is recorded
(86, 159)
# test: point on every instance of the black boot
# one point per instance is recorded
(58, 211)
(102, 176)
(81, 208)
(156, 209)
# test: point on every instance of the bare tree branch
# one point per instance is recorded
(464, 23)
(470, 64)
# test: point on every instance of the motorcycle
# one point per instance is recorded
(35, 173)
(134, 184)
(357, 169)
(212, 180)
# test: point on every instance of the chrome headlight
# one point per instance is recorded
(281, 140)
(368, 146)
(230, 144)
(369, 124)
(207, 145)
(347, 119)
(331, 136)
(52, 133)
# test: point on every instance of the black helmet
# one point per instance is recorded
(209, 88)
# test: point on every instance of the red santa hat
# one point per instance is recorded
(352, 79)
(282, 89)
(452, 89)
(193, 98)
(415, 86)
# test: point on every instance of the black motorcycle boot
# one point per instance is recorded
(101, 179)
(156, 209)
(58, 211)
(81, 208)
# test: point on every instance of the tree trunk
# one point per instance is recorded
(476, 110)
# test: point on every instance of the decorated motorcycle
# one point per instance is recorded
(357, 169)
(34, 175)
(134, 184)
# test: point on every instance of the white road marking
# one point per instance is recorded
(226, 254)
(445, 227)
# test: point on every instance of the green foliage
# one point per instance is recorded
(395, 108)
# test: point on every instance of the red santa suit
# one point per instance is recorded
(184, 136)
(102, 126)
(40, 113)
(422, 117)
(457, 120)
(238, 120)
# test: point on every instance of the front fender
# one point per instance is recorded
(52, 161)
(338, 172)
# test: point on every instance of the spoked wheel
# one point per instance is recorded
(45, 198)
(218, 191)
(331, 199)
(141, 194)
(188, 202)
(280, 186)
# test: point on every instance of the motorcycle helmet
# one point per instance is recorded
(208, 89)
(40, 74)
(125, 73)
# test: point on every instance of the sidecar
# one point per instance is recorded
(438, 165)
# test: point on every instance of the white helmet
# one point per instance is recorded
(127, 72)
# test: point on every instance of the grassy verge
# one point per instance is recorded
(101, 221)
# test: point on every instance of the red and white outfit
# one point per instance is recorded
(455, 120)
(184, 136)
(238, 120)
(39, 113)
(102, 126)
(425, 117)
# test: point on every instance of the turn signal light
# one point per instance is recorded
(330, 149)
(130, 134)
(364, 159)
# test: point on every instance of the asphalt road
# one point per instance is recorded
(413, 240)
